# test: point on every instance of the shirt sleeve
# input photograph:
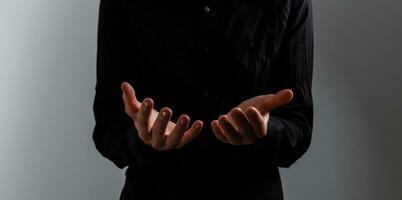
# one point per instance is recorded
(290, 126)
(114, 134)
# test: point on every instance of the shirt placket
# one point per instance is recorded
(207, 99)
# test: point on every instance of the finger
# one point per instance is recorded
(174, 137)
(218, 131)
(229, 131)
(129, 97)
(159, 127)
(279, 99)
(129, 108)
(143, 119)
(191, 133)
(242, 124)
(257, 121)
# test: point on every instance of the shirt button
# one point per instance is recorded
(205, 93)
(206, 49)
(207, 9)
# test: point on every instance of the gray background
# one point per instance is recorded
(47, 78)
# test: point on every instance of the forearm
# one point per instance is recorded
(114, 135)
(289, 135)
(290, 126)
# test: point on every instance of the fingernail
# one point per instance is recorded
(182, 121)
(164, 113)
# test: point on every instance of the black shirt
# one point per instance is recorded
(202, 58)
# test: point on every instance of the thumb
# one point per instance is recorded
(279, 99)
(129, 93)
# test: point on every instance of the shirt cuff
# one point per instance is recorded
(264, 150)
(144, 155)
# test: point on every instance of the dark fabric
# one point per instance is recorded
(203, 61)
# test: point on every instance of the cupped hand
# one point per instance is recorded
(155, 128)
(249, 120)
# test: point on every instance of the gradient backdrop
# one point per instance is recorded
(47, 79)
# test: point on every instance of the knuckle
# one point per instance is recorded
(158, 146)
(171, 146)
(153, 145)
(142, 135)
(143, 138)
(175, 143)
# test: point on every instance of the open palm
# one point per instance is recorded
(155, 128)
(249, 120)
